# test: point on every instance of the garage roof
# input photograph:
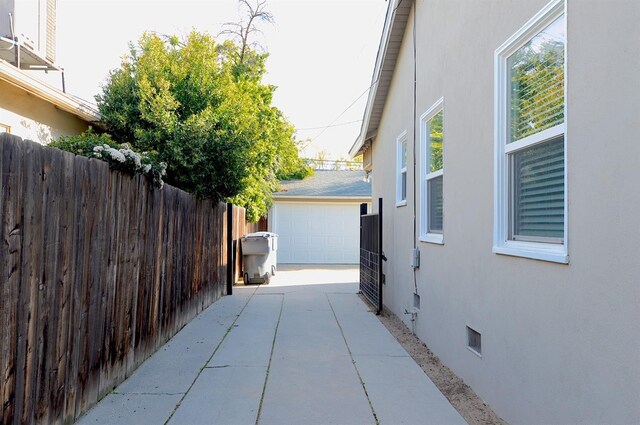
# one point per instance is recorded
(327, 183)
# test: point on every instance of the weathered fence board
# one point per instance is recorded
(10, 274)
(97, 271)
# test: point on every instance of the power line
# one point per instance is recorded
(393, 12)
(343, 112)
(335, 125)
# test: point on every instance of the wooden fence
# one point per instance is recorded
(97, 271)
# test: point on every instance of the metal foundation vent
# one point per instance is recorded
(474, 341)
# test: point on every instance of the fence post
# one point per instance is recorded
(230, 260)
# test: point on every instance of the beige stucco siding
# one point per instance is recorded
(33, 118)
(560, 343)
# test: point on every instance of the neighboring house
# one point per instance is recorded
(34, 110)
(318, 219)
(29, 107)
(524, 127)
(28, 33)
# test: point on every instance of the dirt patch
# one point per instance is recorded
(459, 394)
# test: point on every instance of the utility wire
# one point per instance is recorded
(393, 12)
(322, 127)
(343, 112)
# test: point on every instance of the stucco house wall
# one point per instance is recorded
(34, 110)
(33, 118)
(560, 342)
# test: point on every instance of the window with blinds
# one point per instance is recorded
(435, 176)
(401, 170)
(538, 192)
(537, 83)
(530, 160)
(434, 188)
(432, 173)
(536, 118)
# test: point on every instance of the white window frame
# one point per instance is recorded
(557, 253)
(401, 140)
(426, 174)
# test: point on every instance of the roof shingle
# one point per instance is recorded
(339, 183)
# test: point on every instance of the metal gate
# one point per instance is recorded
(371, 257)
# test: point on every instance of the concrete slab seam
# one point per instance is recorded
(233, 366)
(144, 393)
(266, 378)
(353, 361)
(210, 357)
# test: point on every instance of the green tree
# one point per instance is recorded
(537, 87)
(208, 116)
(435, 142)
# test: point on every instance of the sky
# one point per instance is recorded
(322, 53)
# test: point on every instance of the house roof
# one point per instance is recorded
(28, 83)
(392, 34)
(327, 184)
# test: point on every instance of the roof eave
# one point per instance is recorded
(277, 197)
(82, 110)
(395, 23)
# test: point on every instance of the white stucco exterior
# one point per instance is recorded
(33, 110)
(560, 342)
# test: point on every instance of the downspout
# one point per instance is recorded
(415, 95)
(415, 254)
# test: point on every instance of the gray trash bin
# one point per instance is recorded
(259, 256)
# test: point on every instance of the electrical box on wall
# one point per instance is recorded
(415, 258)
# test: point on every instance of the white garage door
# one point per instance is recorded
(317, 233)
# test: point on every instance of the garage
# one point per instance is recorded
(317, 233)
(318, 219)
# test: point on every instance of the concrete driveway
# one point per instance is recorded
(303, 350)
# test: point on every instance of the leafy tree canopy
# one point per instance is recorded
(202, 106)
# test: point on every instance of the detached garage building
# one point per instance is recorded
(318, 219)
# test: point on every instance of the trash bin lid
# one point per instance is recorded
(257, 235)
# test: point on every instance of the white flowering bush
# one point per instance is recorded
(119, 157)
(125, 159)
